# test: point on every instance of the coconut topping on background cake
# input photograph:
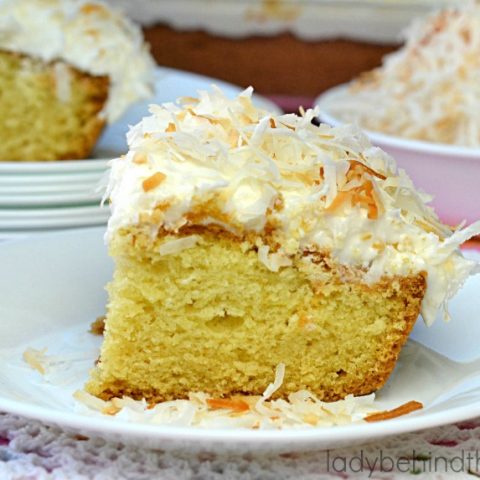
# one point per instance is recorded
(427, 90)
(86, 34)
(215, 161)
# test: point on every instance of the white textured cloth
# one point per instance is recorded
(30, 450)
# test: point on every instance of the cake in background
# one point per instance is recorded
(244, 240)
(429, 89)
(67, 67)
(291, 50)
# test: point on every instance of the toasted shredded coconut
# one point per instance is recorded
(404, 409)
(273, 261)
(177, 245)
(37, 359)
(153, 181)
(51, 366)
(302, 409)
(429, 89)
(277, 383)
(90, 401)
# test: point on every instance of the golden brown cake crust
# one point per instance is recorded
(36, 123)
(165, 339)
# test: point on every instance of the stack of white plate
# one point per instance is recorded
(37, 197)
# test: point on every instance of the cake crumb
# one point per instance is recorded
(98, 326)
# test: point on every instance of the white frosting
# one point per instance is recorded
(321, 187)
(86, 34)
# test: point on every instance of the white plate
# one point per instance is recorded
(67, 180)
(53, 288)
(21, 234)
(52, 223)
(46, 198)
(53, 217)
(64, 212)
(98, 162)
(40, 189)
(450, 173)
(39, 225)
(169, 85)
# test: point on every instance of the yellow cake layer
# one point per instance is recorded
(48, 111)
(213, 318)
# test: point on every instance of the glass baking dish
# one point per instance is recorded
(372, 20)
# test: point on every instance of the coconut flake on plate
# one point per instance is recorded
(302, 409)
